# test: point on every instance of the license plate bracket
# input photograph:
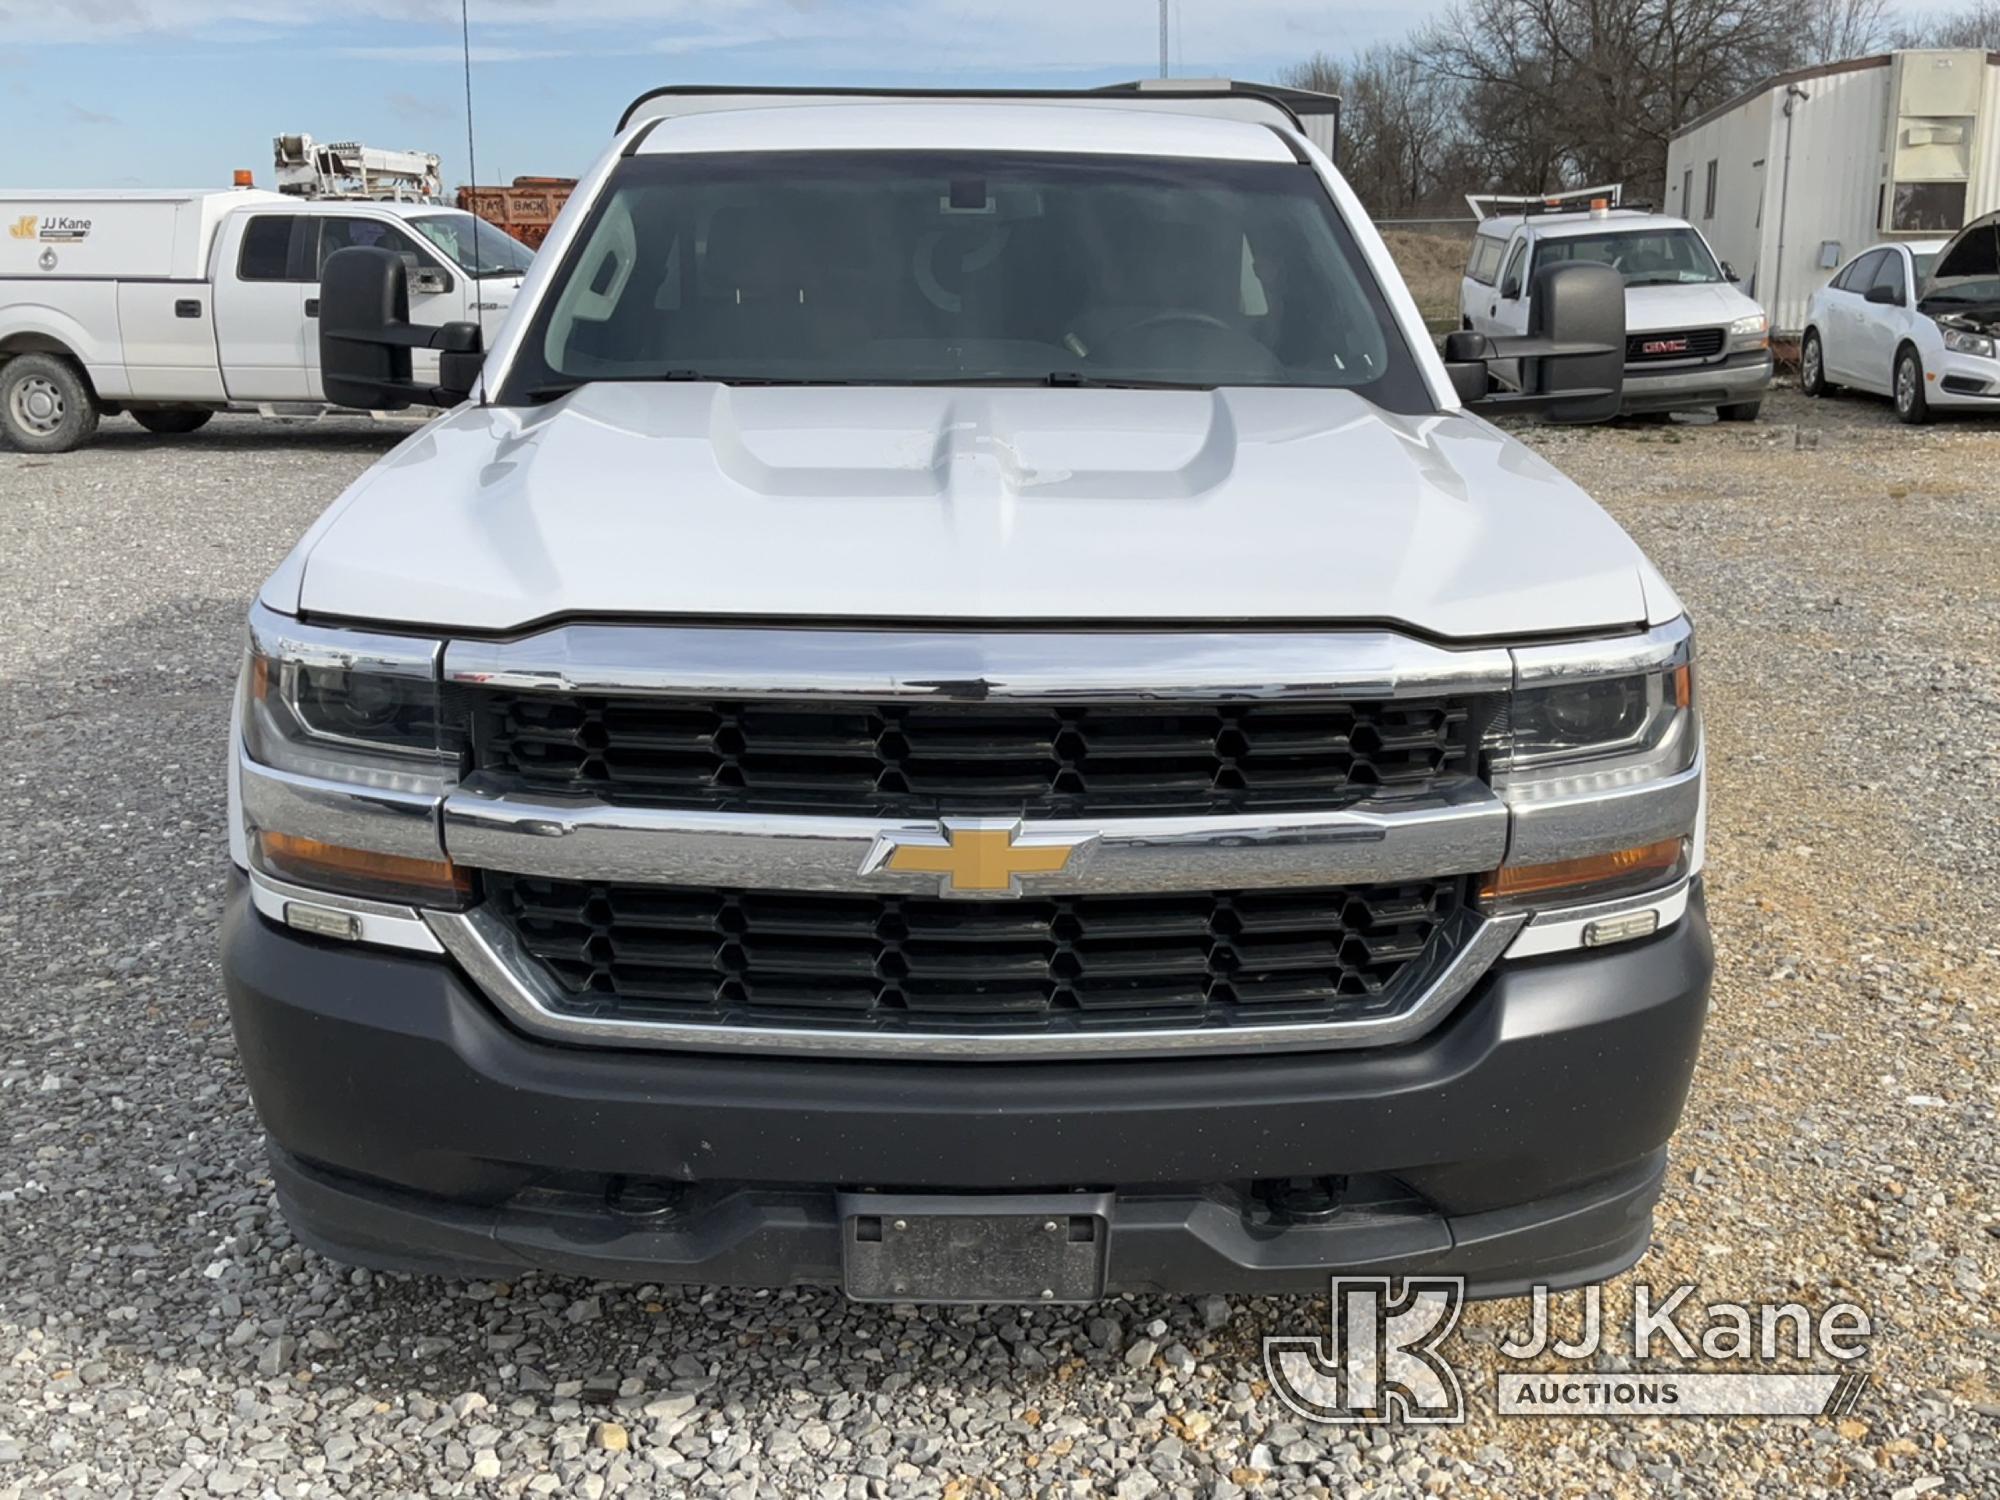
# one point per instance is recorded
(1043, 1248)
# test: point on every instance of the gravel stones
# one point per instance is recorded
(163, 1334)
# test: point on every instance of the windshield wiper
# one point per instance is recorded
(1077, 378)
(560, 388)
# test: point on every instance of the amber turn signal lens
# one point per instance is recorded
(1622, 868)
(362, 872)
(1680, 685)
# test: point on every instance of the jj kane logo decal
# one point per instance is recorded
(58, 229)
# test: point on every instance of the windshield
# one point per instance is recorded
(1644, 257)
(474, 245)
(900, 268)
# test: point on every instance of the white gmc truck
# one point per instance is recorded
(175, 305)
(968, 710)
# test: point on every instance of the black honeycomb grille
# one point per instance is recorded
(923, 760)
(659, 953)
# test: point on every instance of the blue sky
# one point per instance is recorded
(175, 93)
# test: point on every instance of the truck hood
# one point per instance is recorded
(1694, 304)
(976, 504)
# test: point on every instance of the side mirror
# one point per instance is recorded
(429, 281)
(1883, 296)
(365, 336)
(1572, 361)
(1510, 289)
(1729, 272)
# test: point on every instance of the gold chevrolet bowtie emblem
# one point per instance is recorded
(975, 857)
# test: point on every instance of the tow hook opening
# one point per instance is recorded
(1303, 1200)
(645, 1197)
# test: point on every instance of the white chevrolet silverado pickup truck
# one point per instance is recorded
(967, 710)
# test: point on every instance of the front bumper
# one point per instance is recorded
(1520, 1142)
(1734, 379)
(1964, 380)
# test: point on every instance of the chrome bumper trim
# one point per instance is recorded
(1107, 666)
(514, 981)
(380, 922)
(339, 812)
(1553, 827)
(1459, 829)
(1560, 930)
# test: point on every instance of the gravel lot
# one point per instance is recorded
(160, 1332)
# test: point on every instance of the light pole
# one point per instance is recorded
(1163, 38)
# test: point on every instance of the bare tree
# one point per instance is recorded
(1829, 30)
(1562, 92)
(1401, 126)
(1977, 25)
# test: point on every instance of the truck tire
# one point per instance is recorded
(46, 406)
(172, 419)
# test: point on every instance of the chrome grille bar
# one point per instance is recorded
(1458, 829)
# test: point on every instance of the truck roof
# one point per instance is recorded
(1570, 226)
(1132, 130)
(234, 195)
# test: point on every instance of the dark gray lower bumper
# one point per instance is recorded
(1520, 1142)
(1729, 382)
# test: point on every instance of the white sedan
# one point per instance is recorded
(1917, 321)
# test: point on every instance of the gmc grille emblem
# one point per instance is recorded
(1664, 346)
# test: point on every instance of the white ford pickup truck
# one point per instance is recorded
(968, 710)
(176, 305)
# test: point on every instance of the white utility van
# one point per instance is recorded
(1692, 339)
(172, 305)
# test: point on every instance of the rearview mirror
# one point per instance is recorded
(1571, 364)
(365, 337)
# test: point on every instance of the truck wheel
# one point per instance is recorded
(1742, 411)
(172, 419)
(1911, 404)
(45, 406)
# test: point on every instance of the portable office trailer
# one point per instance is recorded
(1793, 178)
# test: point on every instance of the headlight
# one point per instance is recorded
(348, 725)
(1593, 757)
(1750, 332)
(1599, 732)
(1960, 342)
(347, 706)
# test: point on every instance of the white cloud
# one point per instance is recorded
(953, 39)
(450, 53)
